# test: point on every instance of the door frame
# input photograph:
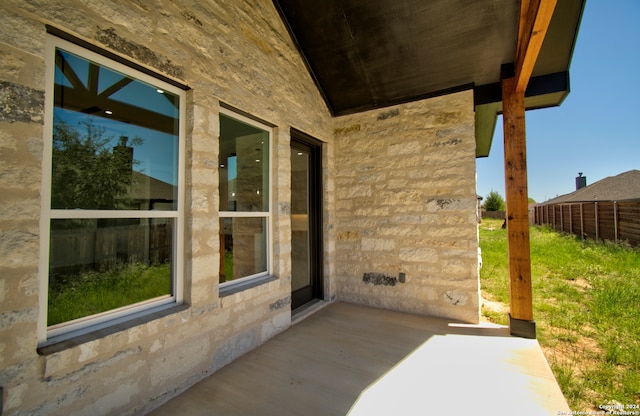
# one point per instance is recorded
(314, 148)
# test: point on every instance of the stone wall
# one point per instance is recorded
(406, 203)
(399, 197)
(235, 52)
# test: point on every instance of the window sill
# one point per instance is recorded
(61, 345)
(233, 288)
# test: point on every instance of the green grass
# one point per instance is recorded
(228, 265)
(586, 304)
(91, 292)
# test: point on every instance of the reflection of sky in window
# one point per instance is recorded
(232, 170)
(136, 93)
(158, 155)
(146, 96)
(80, 67)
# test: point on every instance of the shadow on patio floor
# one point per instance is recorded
(349, 359)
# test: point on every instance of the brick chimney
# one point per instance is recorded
(124, 156)
(581, 181)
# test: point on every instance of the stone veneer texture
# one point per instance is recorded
(399, 197)
(405, 203)
(235, 52)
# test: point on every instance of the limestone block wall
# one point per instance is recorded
(406, 203)
(238, 53)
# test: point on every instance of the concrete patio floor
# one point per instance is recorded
(349, 359)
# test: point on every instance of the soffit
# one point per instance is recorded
(366, 54)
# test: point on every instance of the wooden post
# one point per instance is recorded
(570, 218)
(597, 225)
(552, 218)
(615, 221)
(535, 17)
(581, 222)
(515, 161)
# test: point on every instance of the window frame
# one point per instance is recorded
(48, 335)
(243, 281)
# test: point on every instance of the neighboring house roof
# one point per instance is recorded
(367, 54)
(144, 187)
(623, 187)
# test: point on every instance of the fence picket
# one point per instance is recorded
(603, 220)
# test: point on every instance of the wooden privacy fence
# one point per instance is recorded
(493, 214)
(605, 220)
(147, 243)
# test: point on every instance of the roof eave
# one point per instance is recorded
(543, 92)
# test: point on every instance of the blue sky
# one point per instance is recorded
(596, 130)
(157, 156)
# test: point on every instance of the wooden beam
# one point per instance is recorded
(517, 213)
(535, 17)
(525, 6)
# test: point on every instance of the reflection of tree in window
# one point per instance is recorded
(86, 173)
(115, 150)
(95, 105)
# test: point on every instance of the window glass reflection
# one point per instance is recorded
(244, 247)
(243, 167)
(115, 140)
(102, 264)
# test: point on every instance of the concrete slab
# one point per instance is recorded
(349, 359)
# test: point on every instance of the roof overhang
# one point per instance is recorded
(366, 54)
(543, 91)
(549, 84)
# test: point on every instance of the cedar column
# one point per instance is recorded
(517, 215)
(535, 17)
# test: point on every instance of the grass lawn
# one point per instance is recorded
(586, 304)
(91, 292)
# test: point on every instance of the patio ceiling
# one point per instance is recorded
(367, 54)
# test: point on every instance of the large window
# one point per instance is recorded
(112, 209)
(244, 198)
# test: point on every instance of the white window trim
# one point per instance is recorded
(259, 214)
(48, 335)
